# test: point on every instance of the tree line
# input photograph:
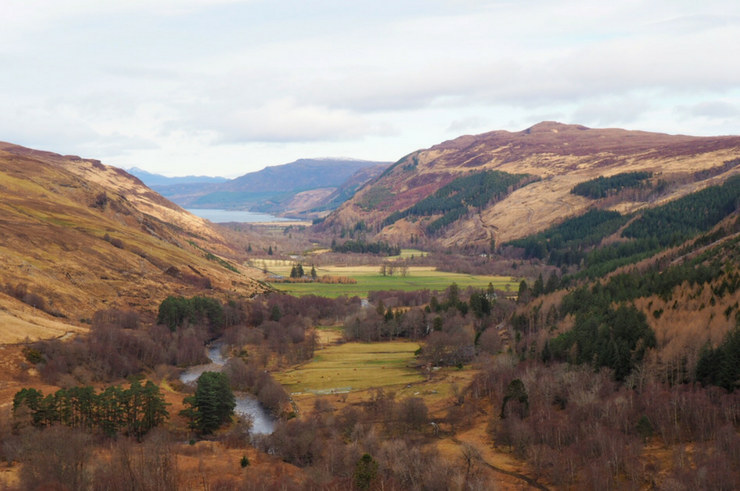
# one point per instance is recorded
(453, 200)
(577, 240)
(602, 187)
(133, 411)
(362, 247)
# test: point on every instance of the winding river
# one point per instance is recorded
(262, 421)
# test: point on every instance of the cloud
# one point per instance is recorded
(710, 109)
(469, 123)
(116, 144)
(281, 121)
(133, 74)
(609, 113)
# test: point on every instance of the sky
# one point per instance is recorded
(227, 87)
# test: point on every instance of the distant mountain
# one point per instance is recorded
(437, 194)
(153, 180)
(317, 202)
(296, 187)
(349, 187)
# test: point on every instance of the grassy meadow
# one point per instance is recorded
(354, 367)
(369, 279)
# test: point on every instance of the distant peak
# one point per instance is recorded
(554, 127)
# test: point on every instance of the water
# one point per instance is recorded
(262, 421)
(223, 216)
(217, 364)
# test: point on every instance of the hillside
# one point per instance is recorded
(79, 236)
(556, 156)
(289, 189)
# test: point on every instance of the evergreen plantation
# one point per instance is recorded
(576, 240)
(602, 187)
(454, 200)
(133, 411)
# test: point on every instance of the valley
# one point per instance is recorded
(550, 309)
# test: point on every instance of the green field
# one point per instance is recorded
(353, 367)
(369, 279)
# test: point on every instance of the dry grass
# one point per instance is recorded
(16, 326)
(53, 228)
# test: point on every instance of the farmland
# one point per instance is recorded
(369, 279)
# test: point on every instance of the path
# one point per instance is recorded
(516, 475)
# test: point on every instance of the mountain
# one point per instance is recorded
(317, 202)
(292, 189)
(80, 236)
(152, 180)
(542, 164)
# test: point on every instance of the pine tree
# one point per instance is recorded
(552, 283)
(522, 291)
(275, 314)
(539, 286)
(212, 405)
(366, 470)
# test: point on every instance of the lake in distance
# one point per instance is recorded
(223, 216)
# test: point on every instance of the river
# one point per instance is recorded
(262, 421)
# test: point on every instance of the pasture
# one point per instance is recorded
(369, 279)
(354, 367)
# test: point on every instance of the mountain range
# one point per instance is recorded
(304, 188)
(151, 179)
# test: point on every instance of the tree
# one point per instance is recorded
(522, 291)
(365, 471)
(539, 286)
(552, 283)
(453, 295)
(314, 275)
(516, 391)
(269, 251)
(275, 314)
(383, 270)
(212, 404)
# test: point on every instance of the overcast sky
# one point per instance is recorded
(226, 87)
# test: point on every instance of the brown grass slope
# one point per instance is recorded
(562, 155)
(54, 214)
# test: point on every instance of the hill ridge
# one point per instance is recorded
(561, 155)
